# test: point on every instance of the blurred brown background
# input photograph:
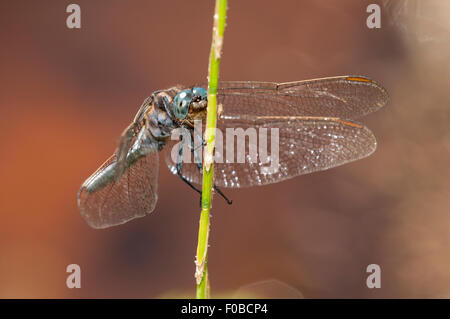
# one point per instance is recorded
(66, 95)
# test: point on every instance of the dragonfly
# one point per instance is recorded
(315, 121)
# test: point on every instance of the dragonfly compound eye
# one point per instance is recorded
(200, 92)
(181, 103)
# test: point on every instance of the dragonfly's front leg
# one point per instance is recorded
(198, 162)
(179, 166)
(199, 136)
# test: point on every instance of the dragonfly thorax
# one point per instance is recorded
(175, 107)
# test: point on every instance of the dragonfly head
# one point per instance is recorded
(194, 100)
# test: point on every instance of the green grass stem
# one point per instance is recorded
(201, 272)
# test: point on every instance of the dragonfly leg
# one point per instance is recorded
(217, 189)
(202, 144)
(200, 168)
(179, 166)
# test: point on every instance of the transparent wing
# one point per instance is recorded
(311, 135)
(347, 97)
(104, 201)
(300, 145)
(128, 136)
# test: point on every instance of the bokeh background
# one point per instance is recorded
(66, 95)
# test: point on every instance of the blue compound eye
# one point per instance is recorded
(181, 103)
(201, 92)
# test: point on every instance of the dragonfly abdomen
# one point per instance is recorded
(145, 143)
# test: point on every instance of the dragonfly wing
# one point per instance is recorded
(347, 97)
(128, 136)
(104, 201)
(305, 145)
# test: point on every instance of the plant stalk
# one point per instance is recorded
(201, 272)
